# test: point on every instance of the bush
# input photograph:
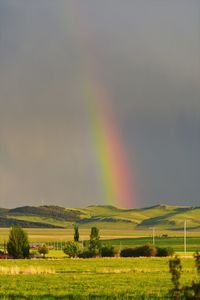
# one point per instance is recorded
(86, 254)
(43, 250)
(163, 252)
(18, 244)
(146, 250)
(72, 249)
(128, 252)
(108, 251)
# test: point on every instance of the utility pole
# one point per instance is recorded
(185, 237)
(153, 234)
(120, 246)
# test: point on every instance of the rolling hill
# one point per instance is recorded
(162, 216)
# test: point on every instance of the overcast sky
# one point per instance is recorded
(149, 57)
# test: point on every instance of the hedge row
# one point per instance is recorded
(147, 251)
(73, 249)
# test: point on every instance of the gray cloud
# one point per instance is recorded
(148, 60)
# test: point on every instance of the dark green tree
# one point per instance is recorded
(94, 235)
(94, 243)
(18, 244)
(76, 233)
(197, 261)
(175, 269)
(185, 292)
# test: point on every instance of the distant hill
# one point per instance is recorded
(162, 216)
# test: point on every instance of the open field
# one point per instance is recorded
(177, 243)
(59, 277)
(111, 278)
(48, 234)
(120, 239)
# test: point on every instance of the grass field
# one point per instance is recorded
(116, 278)
(177, 243)
(120, 239)
(58, 234)
(102, 278)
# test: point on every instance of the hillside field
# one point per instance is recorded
(120, 227)
(162, 217)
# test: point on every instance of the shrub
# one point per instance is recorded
(86, 253)
(146, 250)
(108, 251)
(72, 249)
(128, 252)
(18, 245)
(163, 252)
(43, 250)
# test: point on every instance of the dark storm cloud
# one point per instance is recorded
(148, 53)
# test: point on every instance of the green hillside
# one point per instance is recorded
(161, 216)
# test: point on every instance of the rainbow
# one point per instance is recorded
(110, 154)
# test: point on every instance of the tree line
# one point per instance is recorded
(18, 247)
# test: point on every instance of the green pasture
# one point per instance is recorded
(59, 234)
(100, 278)
(120, 239)
(177, 243)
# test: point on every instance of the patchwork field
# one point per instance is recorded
(58, 277)
(162, 217)
(120, 239)
(111, 278)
